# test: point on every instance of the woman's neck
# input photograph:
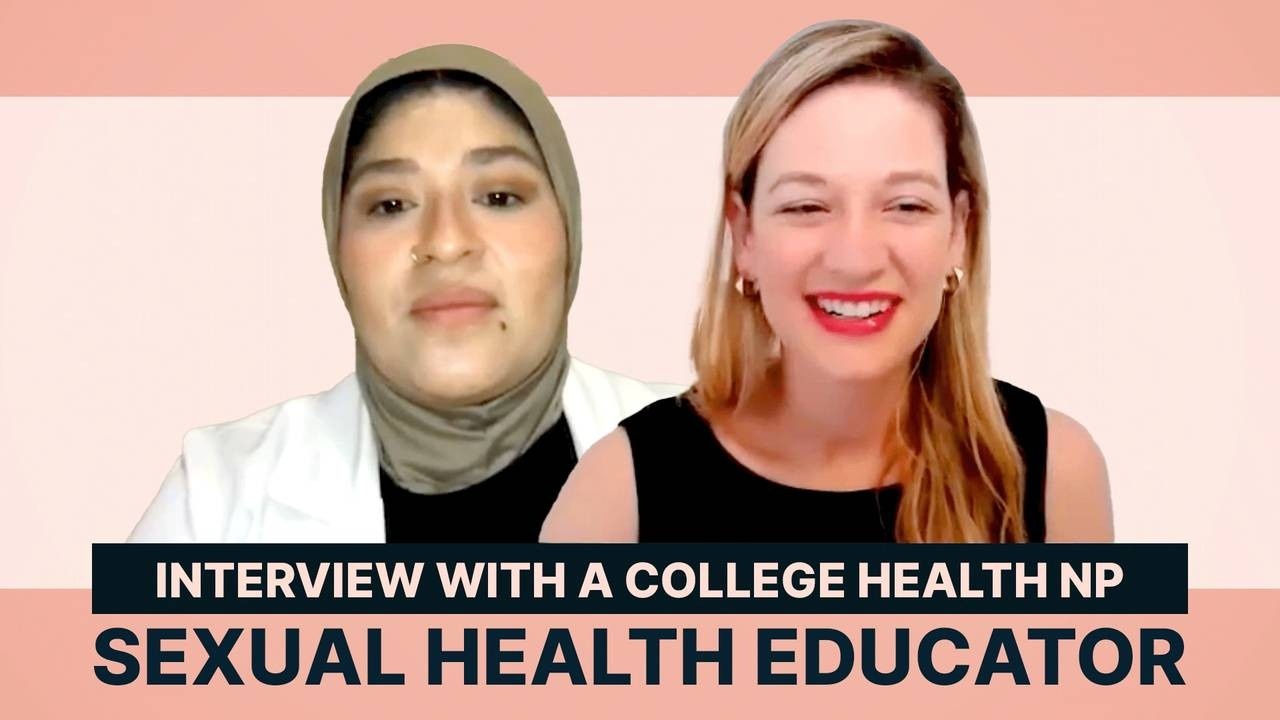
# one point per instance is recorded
(829, 418)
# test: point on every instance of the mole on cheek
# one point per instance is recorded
(502, 325)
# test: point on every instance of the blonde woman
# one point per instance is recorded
(843, 389)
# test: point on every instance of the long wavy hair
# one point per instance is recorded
(960, 469)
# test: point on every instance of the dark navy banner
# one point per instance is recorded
(640, 578)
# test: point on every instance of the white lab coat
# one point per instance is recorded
(306, 470)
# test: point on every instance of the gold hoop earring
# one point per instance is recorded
(746, 288)
(955, 279)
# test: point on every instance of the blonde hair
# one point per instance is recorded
(959, 466)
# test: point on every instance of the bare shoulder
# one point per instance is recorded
(1077, 486)
(598, 501)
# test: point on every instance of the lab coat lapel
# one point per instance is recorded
(325, 485)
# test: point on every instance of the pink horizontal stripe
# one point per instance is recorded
(47, 660)
(665, 47)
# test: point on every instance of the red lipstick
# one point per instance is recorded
(842, 313)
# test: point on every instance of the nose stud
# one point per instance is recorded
(419, 258)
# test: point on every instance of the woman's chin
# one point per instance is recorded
(861, 367)
(446, 390)
(861, 375)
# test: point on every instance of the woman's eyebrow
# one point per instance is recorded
(803, 178)
(397, 166)
(493, 153)
(903, 177)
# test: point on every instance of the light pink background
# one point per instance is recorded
(162, 267)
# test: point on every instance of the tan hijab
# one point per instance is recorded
(442, 450)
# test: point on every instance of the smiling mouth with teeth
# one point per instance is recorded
(859, 310)
(854, 314)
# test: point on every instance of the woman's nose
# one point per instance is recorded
(448, 234)
(854, 248)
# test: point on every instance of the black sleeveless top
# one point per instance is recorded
(510, 506)
(690, 489)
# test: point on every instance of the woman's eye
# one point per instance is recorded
(911, 207)
(501, 199)
(391, 206)
(802, 209)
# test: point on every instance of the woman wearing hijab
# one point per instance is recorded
(451, 208)
(843, 389)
